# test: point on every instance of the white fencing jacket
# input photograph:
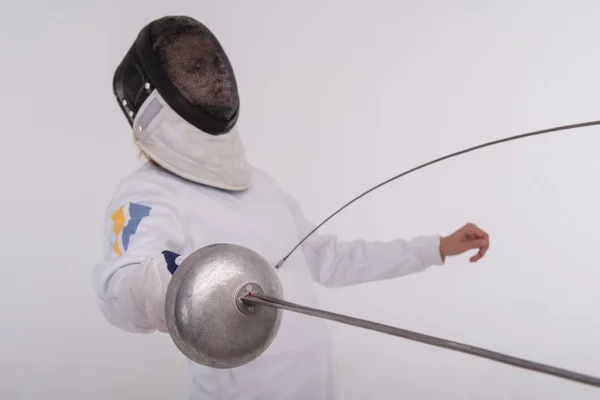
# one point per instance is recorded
(156, 219)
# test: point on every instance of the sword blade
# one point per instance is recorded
(264, 300)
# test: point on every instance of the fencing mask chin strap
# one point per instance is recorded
(180, 147)
(178, 91)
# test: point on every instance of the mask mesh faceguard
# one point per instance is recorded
(197, 65)
(181, 59)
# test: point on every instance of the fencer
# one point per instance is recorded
(177, 89)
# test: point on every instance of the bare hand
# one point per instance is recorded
(467, 238)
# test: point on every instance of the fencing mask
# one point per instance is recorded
(178, 91)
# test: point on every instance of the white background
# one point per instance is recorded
(337, 96)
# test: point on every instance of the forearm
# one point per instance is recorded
(335, 263)
(134, 296)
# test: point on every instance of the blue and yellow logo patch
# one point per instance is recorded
(126, 221)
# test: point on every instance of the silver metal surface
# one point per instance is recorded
(205, 317)
(224, 308)
(271, 301)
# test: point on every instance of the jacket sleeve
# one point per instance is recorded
(335, 263)
(143, 240)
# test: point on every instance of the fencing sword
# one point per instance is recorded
(225, 302)
(268, 301)
(429, 163)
